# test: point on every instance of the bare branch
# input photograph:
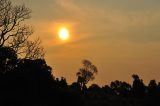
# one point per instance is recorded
(13, 32)
(34, 50)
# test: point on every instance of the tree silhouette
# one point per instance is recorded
(33, 50)
(86, 73)
(8, 59)
(75, 86)
(138, 86)
(62, 83)
(14, 33)
(121, 88)
(108, 90)
(153, 88)
(94, 87)
(30, 82)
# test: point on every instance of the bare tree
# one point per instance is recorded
(14, 33)
(86, 73)
(33, 49)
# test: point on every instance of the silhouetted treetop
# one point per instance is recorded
(121, 88)
(138, 86)
(86, 73)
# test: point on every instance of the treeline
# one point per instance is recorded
(26, 82)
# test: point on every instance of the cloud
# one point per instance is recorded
(130, 20)
(136, 21)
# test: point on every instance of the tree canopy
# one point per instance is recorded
(86, 73)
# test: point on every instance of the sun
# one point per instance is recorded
(63, 33)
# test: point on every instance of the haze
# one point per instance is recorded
(121, 37)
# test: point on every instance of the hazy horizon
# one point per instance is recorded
(120, 37)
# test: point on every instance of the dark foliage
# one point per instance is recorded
(30, 82)
(25, 82)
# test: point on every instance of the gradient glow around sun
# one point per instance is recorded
(63, 33)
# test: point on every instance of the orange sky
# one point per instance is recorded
(120, 37)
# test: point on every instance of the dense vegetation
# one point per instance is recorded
(30, 82)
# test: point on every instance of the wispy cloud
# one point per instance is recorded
(129, 20)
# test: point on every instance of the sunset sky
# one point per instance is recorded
(121, 37)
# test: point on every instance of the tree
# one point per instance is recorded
(75, 86)
(62, 83)
(153, 88)
(31, 82)
(8, 59)
(121, 88)
(14, 33)
(33, 50)
(94, 87)
(108, 90)
(138, 86)
(86, 73)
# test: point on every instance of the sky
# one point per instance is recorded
(120, 37)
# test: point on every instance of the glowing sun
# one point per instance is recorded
(63, 33)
